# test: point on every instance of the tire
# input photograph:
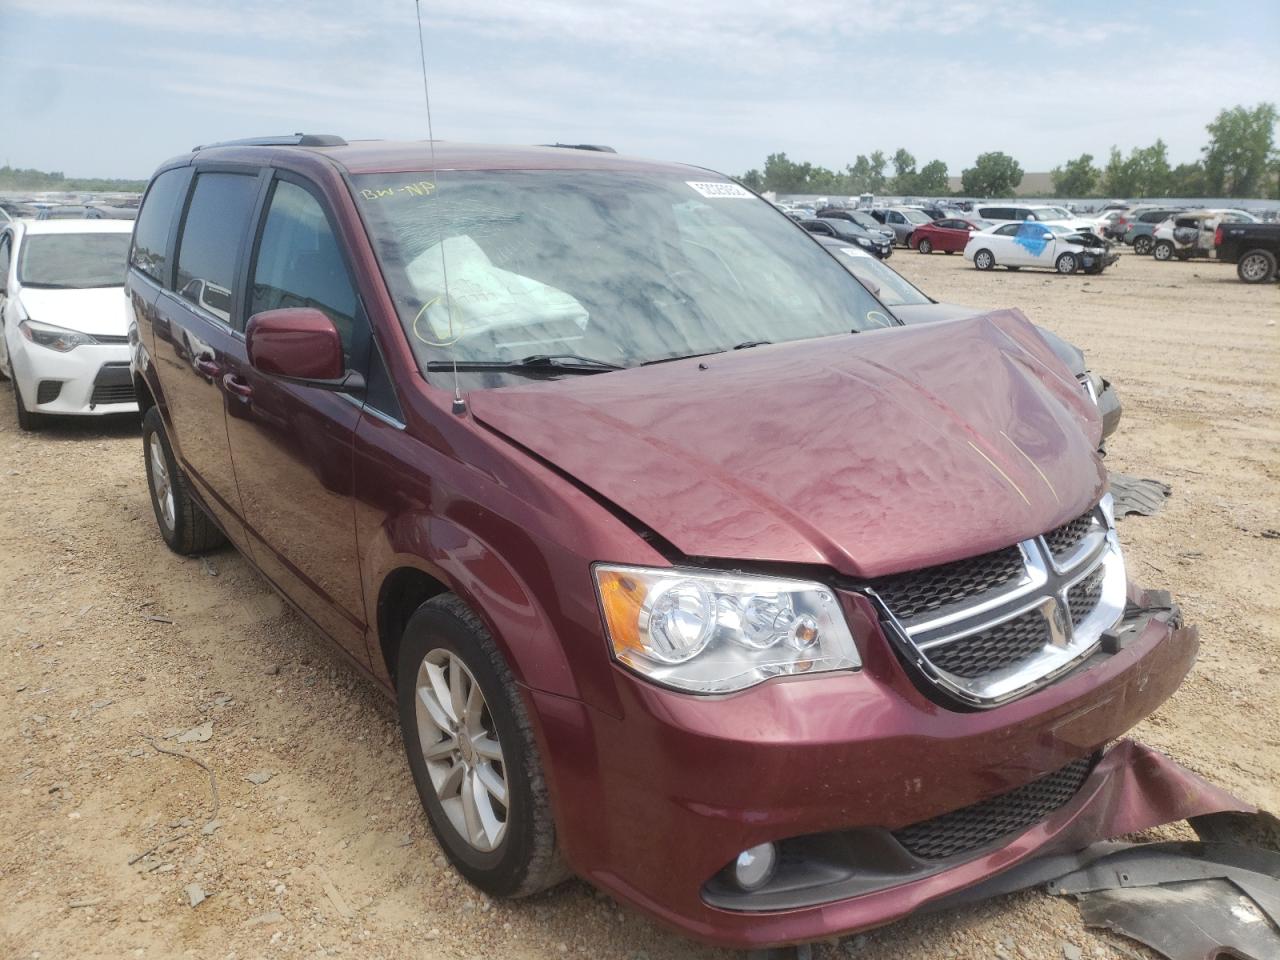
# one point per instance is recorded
(1066, 263)
(1162, 250)
(28, 421)
(187, 530)
(984, 260)
(907, 240)
(1257, 266)
(512, 856)
(1142, 245)
(925, 246)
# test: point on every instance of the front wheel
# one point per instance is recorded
(1066, 263)
(472, 754)
(1142, 246)
(1257, 266)
(984, 260)
(27, 419)
(1162, 250)
(924, 246)
(185, 527)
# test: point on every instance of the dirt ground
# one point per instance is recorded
(112, 647)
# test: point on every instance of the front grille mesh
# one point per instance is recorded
(911, 594)
(971, 828)
(979, 654)
(1084, 596)
(120, 393)
(1068, 536)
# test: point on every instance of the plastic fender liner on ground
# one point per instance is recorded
(1189, 901)
(1135, 495)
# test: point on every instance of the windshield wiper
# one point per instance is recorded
(538, 363)
(751, 343)
(48, 286)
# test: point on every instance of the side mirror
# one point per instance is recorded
(301, 345)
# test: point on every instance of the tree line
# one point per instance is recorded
(38, 181)
(1240, 160)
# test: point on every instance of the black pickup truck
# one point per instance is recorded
(1253, 247)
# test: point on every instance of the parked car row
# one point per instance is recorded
(679, 553)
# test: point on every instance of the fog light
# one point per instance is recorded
(754, 867)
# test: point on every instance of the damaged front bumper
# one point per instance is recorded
(839, 772)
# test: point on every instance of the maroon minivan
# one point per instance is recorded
(693, 573)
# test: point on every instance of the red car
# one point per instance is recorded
(949, 236)
(689, 572)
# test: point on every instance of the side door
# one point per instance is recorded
(195, 348)
(898, 223)
(1005, 247)
(950, 234)
(1036, 244)
(293, 444)
(6, 261)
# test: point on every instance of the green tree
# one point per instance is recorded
(1144, 173)
(13, 178)
(1076, 178)
(784, 176)
(752, 180)
(876, 180)
(993, 174)
(1241, 151)
(904, 172)
(931, 181)
(1187, 180)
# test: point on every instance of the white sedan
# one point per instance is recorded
(1029, 243)
(64, 341)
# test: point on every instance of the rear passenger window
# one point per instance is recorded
(212, 237)
(151, 233)
(299, 264)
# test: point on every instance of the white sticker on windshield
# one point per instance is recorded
(717, 190)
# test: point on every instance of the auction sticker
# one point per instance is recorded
(718, 190)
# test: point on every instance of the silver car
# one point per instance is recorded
(902, 221)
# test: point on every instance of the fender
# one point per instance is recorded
(480, 575)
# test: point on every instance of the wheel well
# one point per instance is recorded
(403, 591)
(143, 392)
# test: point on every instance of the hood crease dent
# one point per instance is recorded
(870, 454)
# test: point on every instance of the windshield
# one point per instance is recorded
(916, 216)
(73, 260)
(1048, 213)
(624, 268)
(886, 283)
(866, 220)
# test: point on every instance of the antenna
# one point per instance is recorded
(459, 405)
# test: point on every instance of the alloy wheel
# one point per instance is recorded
(161, 484)
(1254, 268)
(461, 748)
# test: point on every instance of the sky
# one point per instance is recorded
(114, 87)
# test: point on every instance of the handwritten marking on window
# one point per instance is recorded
(423, 188)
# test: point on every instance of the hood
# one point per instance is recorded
(871, 454)
(912, 313)
(100, 310)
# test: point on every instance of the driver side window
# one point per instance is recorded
(299, 263)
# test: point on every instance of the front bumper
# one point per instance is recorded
(91, 380)
(689, 782)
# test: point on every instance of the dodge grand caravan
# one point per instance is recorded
(691, 573)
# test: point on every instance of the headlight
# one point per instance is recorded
(55, 338)
(863, 241)
(705, 632)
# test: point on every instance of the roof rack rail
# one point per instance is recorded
(286, 140)
(598, 147)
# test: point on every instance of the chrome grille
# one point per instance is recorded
(994, 649)
(911, 594)
(1084, 597)
(1067, 537)
(985, 631)
(973, 827)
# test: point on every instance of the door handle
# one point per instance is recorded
(209, 368)
(235, 385)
